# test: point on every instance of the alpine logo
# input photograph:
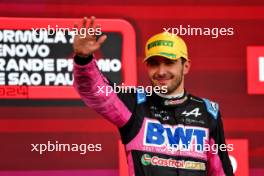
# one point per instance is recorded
(194, 112)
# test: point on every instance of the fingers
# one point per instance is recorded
(91, 25)
(84, 22)
(101, 40)
(97, 26)
(75, 25)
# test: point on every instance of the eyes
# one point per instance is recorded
(170, 62)
(154, 62)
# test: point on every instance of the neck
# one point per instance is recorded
(178, 91)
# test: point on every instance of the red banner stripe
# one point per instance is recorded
(49, 125)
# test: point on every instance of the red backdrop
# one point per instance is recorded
(219, 67)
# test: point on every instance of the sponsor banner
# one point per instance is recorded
(147, 159)
(36, 56)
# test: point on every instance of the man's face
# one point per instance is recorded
(166, 72)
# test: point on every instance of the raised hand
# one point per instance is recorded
(86, 45)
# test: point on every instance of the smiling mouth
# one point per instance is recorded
(162, 81)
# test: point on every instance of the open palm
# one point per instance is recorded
(87, 44)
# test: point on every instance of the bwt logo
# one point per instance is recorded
(255, 69)
(160, 135)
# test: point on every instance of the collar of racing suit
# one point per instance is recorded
(168, 101)
(179, 95)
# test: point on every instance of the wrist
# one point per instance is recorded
(83, 60)
(84, 55)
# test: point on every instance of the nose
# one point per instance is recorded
(161, 70)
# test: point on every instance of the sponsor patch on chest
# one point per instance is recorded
(187, 138)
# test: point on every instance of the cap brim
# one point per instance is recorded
(161, 55)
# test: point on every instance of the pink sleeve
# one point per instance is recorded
(87, 80)
(214, 163)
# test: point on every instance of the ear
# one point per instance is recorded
(186, 67)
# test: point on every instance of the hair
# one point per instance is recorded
(183, 60)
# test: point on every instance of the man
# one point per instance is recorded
(164, 134)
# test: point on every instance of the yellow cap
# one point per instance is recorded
(166, 45)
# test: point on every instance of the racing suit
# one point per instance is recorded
(154, 129)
